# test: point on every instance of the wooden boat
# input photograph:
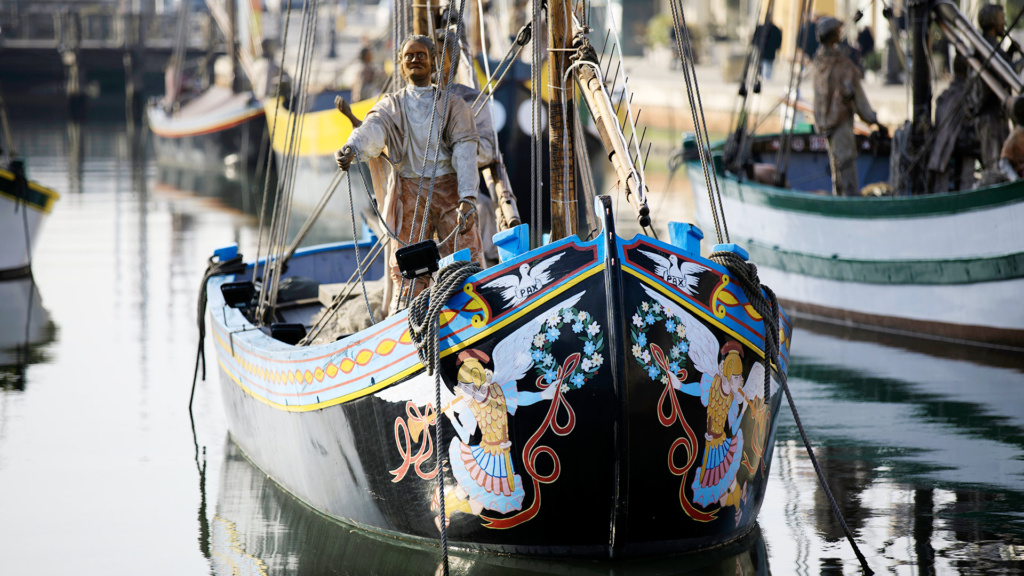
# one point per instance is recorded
(912, 263)
(600, 398)
(258, 524)
(217, 130)
(221, 127)
(949, 265)
(24, 207)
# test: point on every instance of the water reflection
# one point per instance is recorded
(25, 329)
(258, 528)
(923, 447)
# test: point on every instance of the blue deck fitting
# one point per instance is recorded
(226, 253)
(512, 242)
(734, 248)
(685, 236)
(460, 255)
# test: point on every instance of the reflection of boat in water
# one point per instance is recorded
(923, 446)
(596, 396)
(951, 411)
(949, 264)
(24, 326)
(259, 528)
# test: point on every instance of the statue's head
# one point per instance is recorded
(417, 58)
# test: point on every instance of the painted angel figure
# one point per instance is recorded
(484, 399)
(727, 395)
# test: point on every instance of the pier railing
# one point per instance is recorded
(47, 24)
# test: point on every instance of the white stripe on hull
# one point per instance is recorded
(992, 304)
(987, 232)
(13, 252)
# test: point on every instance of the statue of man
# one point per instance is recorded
(423, 142)
(838, 94)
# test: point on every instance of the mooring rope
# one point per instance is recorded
(424, 328)
(213, 268)
(766, 304)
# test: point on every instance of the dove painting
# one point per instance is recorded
(527, 281)
(681, 274)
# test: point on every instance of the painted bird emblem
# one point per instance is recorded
(516, 288)
(682, 274)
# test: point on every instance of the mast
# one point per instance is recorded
(424, 15)
(560, 123)
(922, 88)
(232, 32)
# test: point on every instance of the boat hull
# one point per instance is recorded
(23, 209)
(946, 265)
(589, 436)
(217, 132)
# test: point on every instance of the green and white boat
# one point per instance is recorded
(947, 265)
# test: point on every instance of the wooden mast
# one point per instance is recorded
(424, 15)
(560, 123)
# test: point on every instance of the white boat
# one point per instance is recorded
(950, 265)
(943, 264)
(24, 206)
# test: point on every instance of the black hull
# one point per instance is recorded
(608, 465)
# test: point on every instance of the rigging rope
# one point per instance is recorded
(424, 329)
(699, 125)
(795, 80)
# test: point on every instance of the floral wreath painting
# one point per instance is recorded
(485, 393)
(723, 391)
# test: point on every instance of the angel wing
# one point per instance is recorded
(510, 285)
(511, 356)
(690, 271)
(420, 390)
(703, 344)
(661, 264)
(753, 387)
(541, 272)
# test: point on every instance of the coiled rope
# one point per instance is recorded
(766, 304)
(424, 329)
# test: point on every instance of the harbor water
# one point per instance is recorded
(104, 470)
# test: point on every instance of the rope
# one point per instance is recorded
(697, 113)
(521, 39)
(766, 304)
(355, 249)
(424, 328)
(232, 266)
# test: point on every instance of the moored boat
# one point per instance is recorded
(590, 396)
(24, 207)
(897, 257)
(949, 265)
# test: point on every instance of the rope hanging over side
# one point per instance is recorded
(766, 304)
(424, 328)
(213, 268)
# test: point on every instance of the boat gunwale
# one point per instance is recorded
(864, 207)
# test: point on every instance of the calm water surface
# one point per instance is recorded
(102, 471)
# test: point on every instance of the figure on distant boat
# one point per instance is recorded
(955, 150)
(838, 94)
(401, 123)
(368, 76)
(990, 122)
(1011, 158)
